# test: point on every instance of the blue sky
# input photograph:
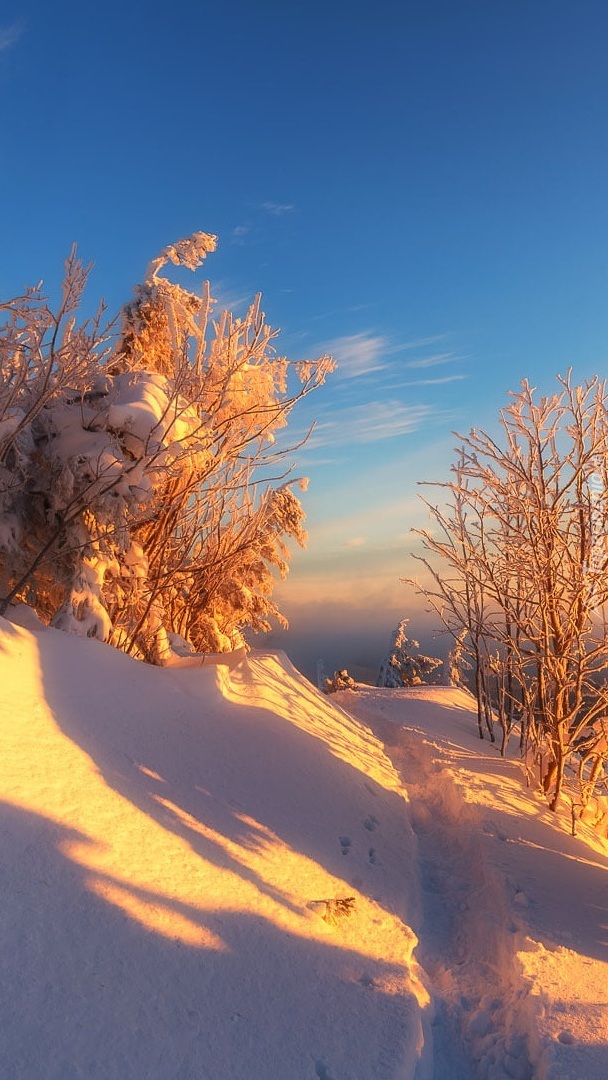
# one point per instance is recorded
(419, 187)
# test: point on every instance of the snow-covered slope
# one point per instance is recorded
(205, 873)
(218, 874)
(514, 938)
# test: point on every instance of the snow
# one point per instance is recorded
(514, 937)
(10, 421)
(169, 840)
(214, 871)
(143, 406)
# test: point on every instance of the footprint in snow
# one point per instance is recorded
(371, 823)
(345, 843)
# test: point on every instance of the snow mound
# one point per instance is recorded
(206, 872)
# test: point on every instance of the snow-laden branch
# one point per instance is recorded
(518, 561)
(136, 500)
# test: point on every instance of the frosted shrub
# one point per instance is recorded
(405, 665)
(130, 501)
(341, 680)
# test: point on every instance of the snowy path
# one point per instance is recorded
(482, 1026)
(514, 938)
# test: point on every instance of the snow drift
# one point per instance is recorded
(216, 872)
(206, 873)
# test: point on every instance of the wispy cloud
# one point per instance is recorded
(436, 382)
(358, 354)
(9, 35)
(227, 298)
(422, 343)
(239, 233)
(278, 209)
(424, 382)
(369, 423)
(432, 361)
(378, 521)
(368, 353)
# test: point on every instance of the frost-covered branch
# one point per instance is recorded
(133, 504)
(518, 560)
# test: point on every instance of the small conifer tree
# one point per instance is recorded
(405, 665)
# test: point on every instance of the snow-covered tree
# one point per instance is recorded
(456, 663)
(340, 680)
(405, 665)
(518, 558)
(49, 366)
(141, 490)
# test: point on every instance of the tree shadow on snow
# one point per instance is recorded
(88, 991)
(169, 753)
(234, 779)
